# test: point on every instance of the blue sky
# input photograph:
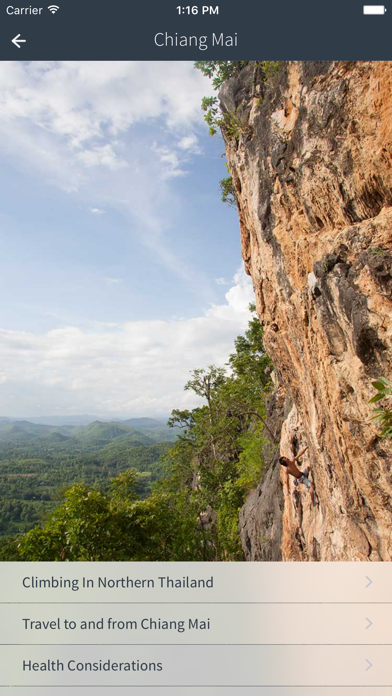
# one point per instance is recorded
(120, 266)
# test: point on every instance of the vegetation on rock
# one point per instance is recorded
(383, 413)
(230, 123)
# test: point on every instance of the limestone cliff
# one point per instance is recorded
(311, 162)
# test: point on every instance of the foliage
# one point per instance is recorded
(219, 456)
(270, 68)
(250, 360)
(378, 251)
(383, 414)
(93, 525)
(213, 116)
(35, 473)
(191, 513)
(252, 443)
(219, 70)
(227, 191)
(231, 123)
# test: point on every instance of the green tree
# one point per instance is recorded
(93, 525)
(231, 123)
(228, 194)
(219, 456)
(219, 70)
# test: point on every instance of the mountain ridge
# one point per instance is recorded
(78, 419)
(97, 433)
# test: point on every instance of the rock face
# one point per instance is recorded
(261, 522)
(311, 163)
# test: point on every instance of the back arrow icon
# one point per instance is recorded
(370, 665)
(18, 41)
(369, 622)
(370, 581)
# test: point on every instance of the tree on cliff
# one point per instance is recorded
(218, 458)
(229, 123)
(221, 70)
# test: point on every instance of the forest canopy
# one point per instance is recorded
(191, 511)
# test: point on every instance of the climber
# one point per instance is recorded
(298, 475)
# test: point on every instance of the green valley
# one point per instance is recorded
(38, 462)
(115, 492)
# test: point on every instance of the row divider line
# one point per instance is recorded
(294, 603)
(201, 645)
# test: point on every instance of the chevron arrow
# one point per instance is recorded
(370, 581)
(369, 622)
(370, 665)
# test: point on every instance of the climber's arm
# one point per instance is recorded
(287, 483)
(300, 453)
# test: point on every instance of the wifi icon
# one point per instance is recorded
(53, 8)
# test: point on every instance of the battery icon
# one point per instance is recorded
(374, 9)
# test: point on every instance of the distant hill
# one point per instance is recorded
(157, 430)
(101, 433)
(142, 423)
(135, 431)
(56, 421)
(57, 436)
(86, 419)
(22, 430)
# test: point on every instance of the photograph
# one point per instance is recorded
(196, 326)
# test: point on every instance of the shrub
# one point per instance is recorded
(383, 414)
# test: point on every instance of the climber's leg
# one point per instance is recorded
(306, 482)
(310, 485)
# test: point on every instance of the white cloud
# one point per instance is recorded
(221, 281)
(189, 143)
(83, 101)
(76, 126)
(102, 156)
(113, 281)
(133, 368)
(170, 161)
(97, 211)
